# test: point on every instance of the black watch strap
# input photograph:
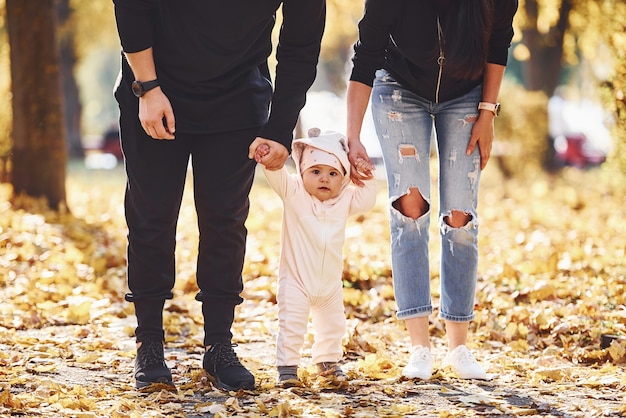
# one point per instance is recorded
(142, 87)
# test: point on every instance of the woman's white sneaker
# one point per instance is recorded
(464, 364)
(420, 363)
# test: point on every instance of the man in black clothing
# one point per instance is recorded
(195, 83)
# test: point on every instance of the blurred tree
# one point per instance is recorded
(5, 99)
(342, 17)
(571, 42)
(612, 30)
(340, 35)
(93, 23)
(71, 99)
(557, 35)
(84, 28)
(39, 150)
(543, 35)
(98, 50)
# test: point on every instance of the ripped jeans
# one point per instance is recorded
(404, 124)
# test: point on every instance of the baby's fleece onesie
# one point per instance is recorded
(311, 260)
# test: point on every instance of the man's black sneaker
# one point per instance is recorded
(221, 363)
(150, 365)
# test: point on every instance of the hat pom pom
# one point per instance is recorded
(313, 132)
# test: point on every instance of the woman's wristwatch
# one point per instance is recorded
(492, 107)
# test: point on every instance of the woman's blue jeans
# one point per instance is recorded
(404, 123)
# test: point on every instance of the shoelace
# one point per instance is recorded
(422, 355)
(465, 357)
(150, 353)
(223, 355)
(332, 368)
(329, 366)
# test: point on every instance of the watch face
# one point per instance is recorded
(137, 88)
(141, 87)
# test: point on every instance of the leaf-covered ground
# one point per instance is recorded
(552, 280)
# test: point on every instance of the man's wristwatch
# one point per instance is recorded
(492, 107)
(142, 87)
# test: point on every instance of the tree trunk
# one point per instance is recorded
(39, 146)
(72, 105)
(543, 70)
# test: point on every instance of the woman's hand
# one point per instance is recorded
(482, 134)
(361, 167)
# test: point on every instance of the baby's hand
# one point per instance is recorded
(261, 151)
(364, 166)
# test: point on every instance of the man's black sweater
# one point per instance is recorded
(211, 60)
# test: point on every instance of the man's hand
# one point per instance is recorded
(156, 115)
(271, 154)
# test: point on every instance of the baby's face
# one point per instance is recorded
(322, 181)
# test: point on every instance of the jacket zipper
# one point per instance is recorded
(440, 60)
(323, 267)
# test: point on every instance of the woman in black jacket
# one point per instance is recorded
(431, 64)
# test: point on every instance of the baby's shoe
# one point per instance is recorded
(288, 376)
(464, 364)
(420, 363)
(331, 369)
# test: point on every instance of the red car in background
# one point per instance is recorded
(576, 150)
(111, 143)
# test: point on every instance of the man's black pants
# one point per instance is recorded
(222, 178)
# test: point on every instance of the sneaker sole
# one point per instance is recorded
(160, 381)
(290, 383)
(417, 376)
(470, 376)
(221, 385)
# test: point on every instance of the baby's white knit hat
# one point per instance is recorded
(329, 148)
(314, 156)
